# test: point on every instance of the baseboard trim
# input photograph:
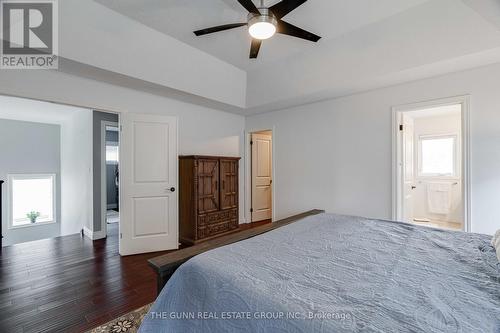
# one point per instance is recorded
(87, 233)
(93, 235)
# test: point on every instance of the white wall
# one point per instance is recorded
(437, 125)
(201, 130)
(29, 148)
(336, 154)
(76, 201)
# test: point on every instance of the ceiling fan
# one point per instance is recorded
(263, 22)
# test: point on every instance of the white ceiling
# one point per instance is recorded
(329, 19)
(23, 109)
(433, 38)
(148, 45)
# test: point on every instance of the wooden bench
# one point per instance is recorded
(166, 265)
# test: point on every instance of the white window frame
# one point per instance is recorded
(456, 162)
(11, 178)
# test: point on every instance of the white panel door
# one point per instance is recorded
(408, 167)
(148, 183)
(261, 177)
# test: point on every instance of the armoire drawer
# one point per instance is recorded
(215, 229)
(217, 217)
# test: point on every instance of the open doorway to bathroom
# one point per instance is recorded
(431, 165)
(111, 170)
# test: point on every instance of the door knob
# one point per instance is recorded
(172, 189)
(413, 187)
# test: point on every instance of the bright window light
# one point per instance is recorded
(32, 199)
(112, 154)
(438, 156)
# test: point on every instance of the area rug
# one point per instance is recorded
(128, 323)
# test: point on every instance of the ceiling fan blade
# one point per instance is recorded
(284, 7)
(250, 6)
(291, 30)
(254, 49)
(218, 28)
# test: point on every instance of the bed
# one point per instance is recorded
(335, 273)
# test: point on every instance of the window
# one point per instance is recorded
(32, 200)
(437, 156)
(112, 154)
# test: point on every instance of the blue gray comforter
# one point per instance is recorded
(331, 273)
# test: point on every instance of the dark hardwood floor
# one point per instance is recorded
(71, 284)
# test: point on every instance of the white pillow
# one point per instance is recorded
(495, 242)
(498, 249)
(496, 237)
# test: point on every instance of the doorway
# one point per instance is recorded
(110, 191)
(431, 165)
(45, 167)
(261, 176)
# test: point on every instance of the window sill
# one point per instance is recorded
(12, 227)
(437, 177)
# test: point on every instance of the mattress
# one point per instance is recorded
(335, 273)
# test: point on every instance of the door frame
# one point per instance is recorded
(397, 181)
(104, 196)
(248, 172)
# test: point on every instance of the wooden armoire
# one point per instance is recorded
(208, 197)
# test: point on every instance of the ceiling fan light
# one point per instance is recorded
(262, 30)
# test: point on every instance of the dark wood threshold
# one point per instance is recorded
(165, 265)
